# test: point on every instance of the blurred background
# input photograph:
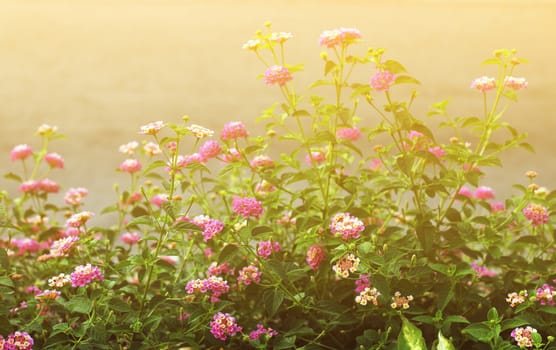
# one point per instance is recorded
(100, 69)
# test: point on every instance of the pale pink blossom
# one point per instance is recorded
(376, 164)
(46, 129)
(484, 193)
(249, 274)
(48, 186)
(85, 274)
(74, 196)
(337, 37)
(314, 256)
(536, 214)
(63, 246)
(234, 130)
(266, 248)
(152, 149)
(279, 75)
(247, 207)
(200, 131)
(210, 149)
(151, 128)
(79, 219)
(252, 44)
(20, 152)
(351, 134)
(262, 162)
(515, 83)
(316, 157)
(129, 148)
(130, 237)
(466, 192)
(484, 84)
(496, 207)
(233, 155)
(159, 199)
(437, 151)
(54, 160)
(483, 271)
(382, 81)
(130, 166)
(280, 37)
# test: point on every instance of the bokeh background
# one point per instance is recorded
(100, 69)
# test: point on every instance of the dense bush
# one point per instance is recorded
(356, 237)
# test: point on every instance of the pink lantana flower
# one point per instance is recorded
(247, 207)
(382, 81)
(20, 152)
(54, 160)
(338, 37)
(351, 134)
(484, 84)
(130, 166)
(277, 75)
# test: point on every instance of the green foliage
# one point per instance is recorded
(332, 231)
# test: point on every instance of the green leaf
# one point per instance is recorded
(394, 67)
(6, 281)
(273, 299)
(78, 304)
(444, 343)
(406, 79)
(12, 176)
(283, 343)
(513, 323)
(492, 315)
(4, 261)
(258, 230)
(478, 331)
(410, 337)
(329, 66)
(455, 319)
(548, 309)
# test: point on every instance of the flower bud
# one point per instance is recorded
(531, 174)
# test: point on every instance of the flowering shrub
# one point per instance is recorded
(356, 236)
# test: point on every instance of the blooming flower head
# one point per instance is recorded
(376, 164)
(46, 129)
(152, 128)
(20, 152)
(74, 196)
(484, 84)
(79, 219)
(497, 207)
(515, 83)
(537, 214)
(346, 264)
(437, 151)
(263, 188)
(368, 295)
(19, 341)
(261, 330)
(314, 256)
(62, 246)
(130, 166)
(382, 81)
(159, 199)
(152, 149)
(210, 149)
(262, 162)
(223, 326)
(233, 155)
(523, 336)
(200, 131)
(280, 37)
(130, 237)
(266, 248)
(48, 294)
(483, 193)
(85, 274)
(129, 148)
(483, 271)
(234, 130)
(316, 157)
(346, 226)
(214, 286)
(362, 282)
(546, 295)
(249, 274)
(25, 245)
(351, 134)
(400, 301)
(222, 269)
(466, 192)
(515, 299)
(252, 44)
(277, 75)
(337, 37)
(211, 227)
(247, 207)
(54, 160)
(59, 281)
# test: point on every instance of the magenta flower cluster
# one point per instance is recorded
(17, 341)
(85, 274)
(260, 331)
(247, 207)
(215, 286)
(266, 248)
(223, 326)
(537, 214)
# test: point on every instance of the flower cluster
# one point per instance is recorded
(314, 256)
(59, 281)
(346, 226)
(62, 246)
(215, 286)
(522, 336)
(537, 214)
(223, 326)
(249, 274)
(38, 187)
(151, 128)
(484, 84)
(546, 295)
(277, 75)
(368, 295)
(346, 264)
(247, 207)
(48, 294)
(233, 131)
(74, 196)
(17, 341)
(260, 331)
(339, 37)
(79, 219)
(85, 274)
(483, 271)
(266, 248)
(200, 131)
(515, 299)
(382, 81)
(400, 301)
(21, 152)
